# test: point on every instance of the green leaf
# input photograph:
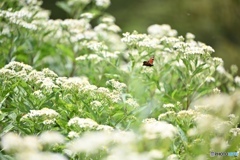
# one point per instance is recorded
(7, 129)
(64, 6)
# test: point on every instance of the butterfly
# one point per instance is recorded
(149, 63)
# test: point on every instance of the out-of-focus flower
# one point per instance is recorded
(89, 142)
(153, 129)
(103, 3)
(161, 30)
(40, 156)
(12, 142)
(51, 138)
(131, 102)
(235, 131)
(104, 128)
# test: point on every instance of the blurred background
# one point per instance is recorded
(215, 22)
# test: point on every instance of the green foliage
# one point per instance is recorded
(109, 105)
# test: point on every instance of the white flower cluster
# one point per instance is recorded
(49, 115)
(161, 30)
(166, 115)
(103, 3)
(116, 85)
(209, 123)
(86, 124)
(72, 82)
(131, 102)
(82, 122)
(187, 114)
(29, 147)
(98, 57)
(96, 104)
(169, 105)
(235, 131)
(44, 79)
(19, 18)
(154, 129)
(219, 104)
(162, 37)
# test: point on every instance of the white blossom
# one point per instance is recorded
(51, 138)
(153, 129)
(82, 122)
(73, 134)
(103, 3)
(89, 142)
(116, 85)
(45, 112)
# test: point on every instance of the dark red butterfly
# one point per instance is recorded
(149, 63)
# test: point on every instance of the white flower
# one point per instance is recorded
(87, 15)
(161, 30)
(190, 36)
(172, 157)
(221, 69)
(96, 46)
(235, 131)
(210, 79)
(45, 112)
(220, 104)
(133, 38)
(72, 82)
(11, 141)
(187, 113)
(103, 3)
(147, 70)
(106, 54)
(39, 156)
(36, 76)
(96, 104)
(216, 91)
(124, 137)
(169, 105)
(218, 60)
(104, 128)
(166, 115)
(18, 66)
(194, 50)
(219, 144)
(89, 142)
(209, 123)
(51, 138)
(73, 134)
(237, 80)
(7, 73)
(153, 129)
(131, 102)
(49, 121)
(156, 154)
(82, 122)
(114, 28)
(49, 73)
(116, 85)
(39, 94)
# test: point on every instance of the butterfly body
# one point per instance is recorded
(148, 63)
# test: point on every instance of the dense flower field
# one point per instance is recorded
(77, 89)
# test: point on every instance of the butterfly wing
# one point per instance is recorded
(149, 62)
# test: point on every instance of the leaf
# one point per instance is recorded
(67, 51)
(7, 129)
(65, 7)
